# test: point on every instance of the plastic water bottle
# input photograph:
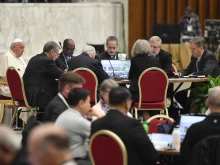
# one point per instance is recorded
(145, 125)
(176, 138)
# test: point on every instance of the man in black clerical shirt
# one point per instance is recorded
(112, 49)
(66, 54)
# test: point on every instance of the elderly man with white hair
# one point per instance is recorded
(164, 56)
(12, 57)
(86, 60)
(210, 126)
(9, 145)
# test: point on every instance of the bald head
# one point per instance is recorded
(9, 145)
(48, 144)
(214, 99)
(68, 47)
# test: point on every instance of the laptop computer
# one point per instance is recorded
(186, 121)
(117, 69)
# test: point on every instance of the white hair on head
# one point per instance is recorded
(214, 97)
(9, 138)
(89, 49)
(157, 39)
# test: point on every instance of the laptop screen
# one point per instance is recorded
(186, 121)
(120, 68)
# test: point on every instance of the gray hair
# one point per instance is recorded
(9, 138)
(108, 83)
(198, 41)
(111, 38)
(188, 10)
(89, 50)
(214, 97)
(157, 39)
(51, 45)
(141, 46)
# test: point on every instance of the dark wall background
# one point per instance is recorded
(143, 14)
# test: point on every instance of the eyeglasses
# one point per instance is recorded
(70, 50)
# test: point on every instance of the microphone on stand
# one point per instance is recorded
(113, 72)
(61, 45)
(115, 77)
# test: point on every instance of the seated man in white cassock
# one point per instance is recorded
(12, 57)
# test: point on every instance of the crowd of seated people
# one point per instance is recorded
(67, 105)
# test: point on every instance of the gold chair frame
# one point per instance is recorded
(116, 138)
(174, 67)
(24, 95)
(88, 70)
(140, 92)
(161, 117)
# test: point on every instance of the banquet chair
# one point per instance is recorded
(106, 148)
(91, 82)
(174, 69)
(152, 83)
(18, 96)
(4, 101)
(156, 120)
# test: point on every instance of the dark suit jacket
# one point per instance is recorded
(54, 109)
(206, 152)
(39, 80)
(165, 60)
(138, 64)
(61, 62)
(199, 131)
(139, 148)
(207, 65)
(84, 60)
(106, 56)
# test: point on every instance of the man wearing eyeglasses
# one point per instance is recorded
(164, 56)
(66, 54)
(203, 62)
(40, 77)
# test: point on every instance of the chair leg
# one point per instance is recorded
(13, 118)
(167, 112)
(2, 112)
(136, 116)
(16, 126)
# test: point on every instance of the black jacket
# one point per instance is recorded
(207, 65)
(165, 60)
(206, 152)
(198, 131)
(84, 60)
(54, 109)
(40, 80)
(138, 64)
(139, 148)
(61, 62)
(106, 56)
